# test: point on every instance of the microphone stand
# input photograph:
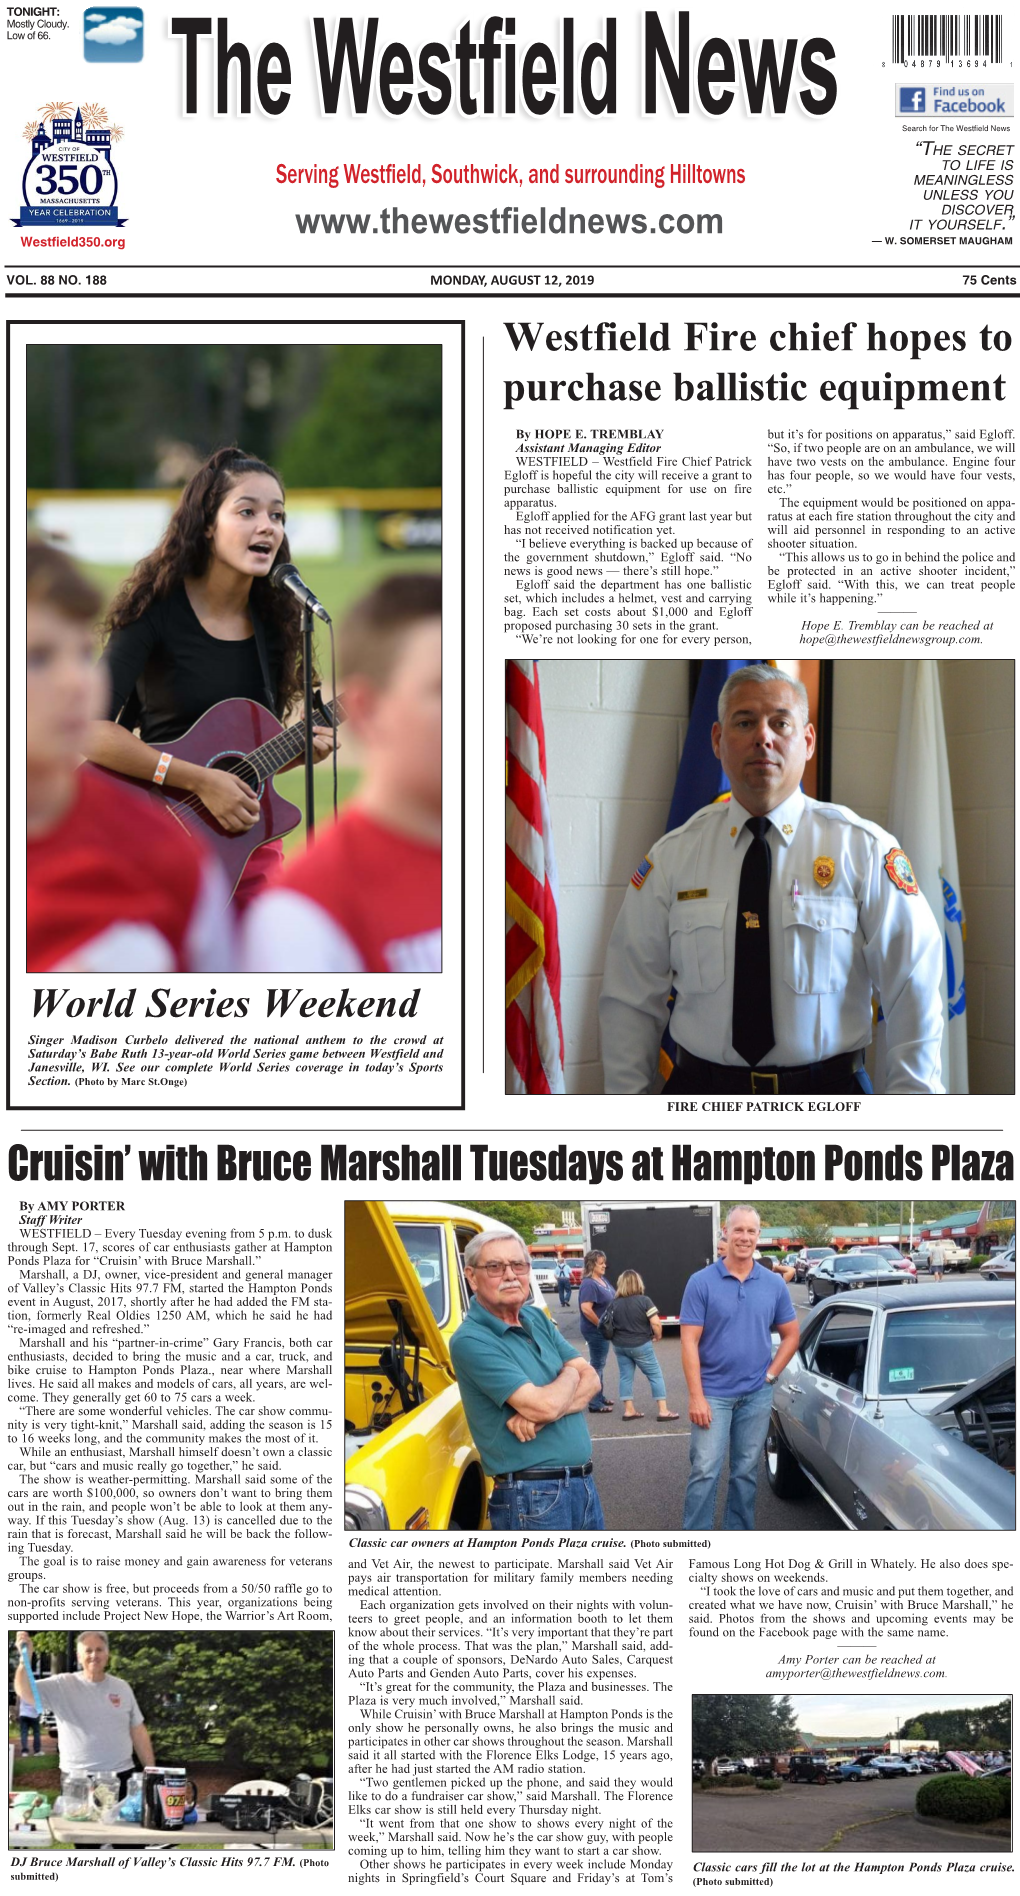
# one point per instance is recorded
(306, 644)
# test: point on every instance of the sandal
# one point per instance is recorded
(637, 1416)
(671, 1415)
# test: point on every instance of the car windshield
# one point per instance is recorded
(854, 1266)
(944, 1349)
(426, 1247)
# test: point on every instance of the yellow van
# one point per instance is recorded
(410, 1461)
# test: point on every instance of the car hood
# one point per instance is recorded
(378, 1275)
(997, 1384)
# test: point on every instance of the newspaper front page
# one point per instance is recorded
(556, 443)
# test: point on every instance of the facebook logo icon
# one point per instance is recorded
(911, 100)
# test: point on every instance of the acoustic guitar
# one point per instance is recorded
(244, 738)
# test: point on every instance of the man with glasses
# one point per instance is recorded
(524, 1390)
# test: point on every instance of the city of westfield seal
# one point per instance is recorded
(70, 178)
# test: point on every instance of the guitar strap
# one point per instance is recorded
(262, 648)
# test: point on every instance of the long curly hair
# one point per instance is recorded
(184, 553)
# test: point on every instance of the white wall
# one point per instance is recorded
(614, 731)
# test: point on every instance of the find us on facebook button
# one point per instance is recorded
(954, 102)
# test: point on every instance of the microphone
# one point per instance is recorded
(288, 578)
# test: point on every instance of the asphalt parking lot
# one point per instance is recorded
(641, 1467)
(837, 1818)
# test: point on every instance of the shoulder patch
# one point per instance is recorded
(898, 868)
(642, 873)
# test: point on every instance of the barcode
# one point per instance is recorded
(947, 36)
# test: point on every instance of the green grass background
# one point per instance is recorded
(337, 582)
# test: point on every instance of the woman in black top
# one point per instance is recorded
(185, 632)
(637, 1328)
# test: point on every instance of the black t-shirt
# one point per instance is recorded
(167, 670)
(632, 1327)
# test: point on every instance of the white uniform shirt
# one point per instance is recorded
(845, 917)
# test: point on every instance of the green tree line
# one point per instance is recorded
(360, 415)
(740, 1724)
(972, 1728)
(258, 1703)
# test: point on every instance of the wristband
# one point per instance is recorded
(162, 767)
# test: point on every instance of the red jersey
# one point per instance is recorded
(362, 899)
(107, 895)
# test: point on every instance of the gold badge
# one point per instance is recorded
(691, 895)
(733, 830)
(825, 870)
(787, 829)
(750, 919)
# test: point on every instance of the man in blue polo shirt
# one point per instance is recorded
(727, 1317)
(524, 1389)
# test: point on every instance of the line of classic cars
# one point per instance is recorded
(849, 1767)
(899, 1407)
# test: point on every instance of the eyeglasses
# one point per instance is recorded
(500, 1270)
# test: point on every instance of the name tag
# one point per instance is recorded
(691, 895)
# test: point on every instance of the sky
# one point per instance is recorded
(875, 1713)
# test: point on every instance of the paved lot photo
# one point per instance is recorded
(642, 1467)
(837, 1818)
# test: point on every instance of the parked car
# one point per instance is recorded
(852, 1271)
(697, 1767)
(893, 1255)
(941, 1253)
(857, 1771)
(901, 1411)
(888, 1766)
(410, 1461)
(1001, 1266)
(811, 1255)
(814, 1767)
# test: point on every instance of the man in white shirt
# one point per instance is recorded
(99, 1723)
(775, 918)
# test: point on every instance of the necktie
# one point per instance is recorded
(753, 1032)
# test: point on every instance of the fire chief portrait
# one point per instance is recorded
(760, 877)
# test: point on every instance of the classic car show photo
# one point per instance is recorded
(852, 1772)
(784, 1366)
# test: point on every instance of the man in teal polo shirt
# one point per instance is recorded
(524, 1391)
(727, 1316)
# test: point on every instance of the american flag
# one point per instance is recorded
(534, 1030)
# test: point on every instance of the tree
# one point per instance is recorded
(812, 1227)
(376, 421)
(259, 1703)
(741, 1724)
(969, 1728)
(524, 1215)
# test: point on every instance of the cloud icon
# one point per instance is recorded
(118, 32)
(90, 17)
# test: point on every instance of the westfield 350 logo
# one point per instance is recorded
(70, 177)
